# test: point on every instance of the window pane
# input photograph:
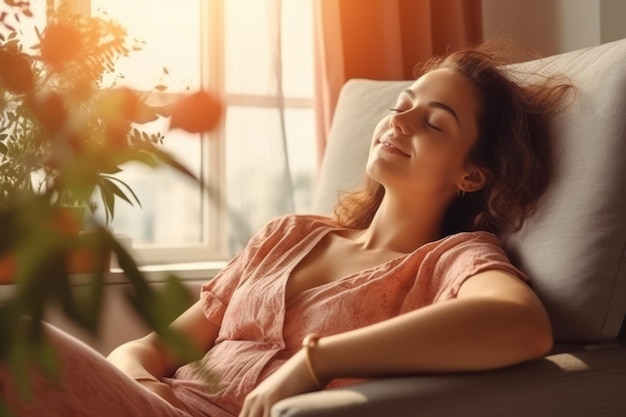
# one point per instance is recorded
(255, 171)
(25, 26)
(171, 32)
(172, 207)
(247, 47)
(252, 146)
(256, 174)
(297, 42)
(250, 31)
(257, 185)
(301, 142)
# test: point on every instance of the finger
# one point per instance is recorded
(244, 409)
(250, 408)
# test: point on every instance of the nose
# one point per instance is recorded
(399, 122)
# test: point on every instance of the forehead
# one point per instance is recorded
(451, 88)
(441, 78)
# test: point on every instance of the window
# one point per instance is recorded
(173, 223)
(220, 45)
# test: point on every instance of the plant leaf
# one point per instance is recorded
(117, 191)
(127, 263)
(160, 309)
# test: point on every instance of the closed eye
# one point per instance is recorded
(426, 122)
(432, 126)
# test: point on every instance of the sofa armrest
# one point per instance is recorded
(575, 384)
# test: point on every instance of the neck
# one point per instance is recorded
(403, 226)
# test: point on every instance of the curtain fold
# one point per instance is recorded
(384, 40)
(259, 180)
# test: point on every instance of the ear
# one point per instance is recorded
(475, 178)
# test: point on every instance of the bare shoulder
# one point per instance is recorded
(497, 284)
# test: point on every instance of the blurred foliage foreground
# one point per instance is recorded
(63, 137)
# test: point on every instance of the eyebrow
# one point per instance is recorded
(436, 104)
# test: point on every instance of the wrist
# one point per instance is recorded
(314, 360)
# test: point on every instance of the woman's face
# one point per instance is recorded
(422, 145)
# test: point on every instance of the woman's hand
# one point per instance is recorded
(290, 379)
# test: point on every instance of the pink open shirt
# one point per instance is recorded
(259, 331)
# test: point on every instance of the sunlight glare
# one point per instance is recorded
(172, 41)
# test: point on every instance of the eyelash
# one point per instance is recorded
(396, 110)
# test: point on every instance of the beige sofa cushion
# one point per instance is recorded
(574, 246)
(579, 384)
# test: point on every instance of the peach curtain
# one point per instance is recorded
(384, 40)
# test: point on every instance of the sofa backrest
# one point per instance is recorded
(574, 245)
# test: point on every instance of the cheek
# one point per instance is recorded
(439, 163)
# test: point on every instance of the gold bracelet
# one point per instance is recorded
(309, 343)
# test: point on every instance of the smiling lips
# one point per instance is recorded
(390, 144)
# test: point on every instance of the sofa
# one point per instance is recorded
(573, 247)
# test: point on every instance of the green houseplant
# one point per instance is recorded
(64, 134)
(61, 129)
(61, 133)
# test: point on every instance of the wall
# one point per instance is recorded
(555, 26)
(613, 18)
(119, 323)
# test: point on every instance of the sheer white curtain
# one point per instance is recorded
(269, 131)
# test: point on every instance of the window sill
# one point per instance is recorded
(192, 271)
(189, 271)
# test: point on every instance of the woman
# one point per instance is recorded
(406, 277)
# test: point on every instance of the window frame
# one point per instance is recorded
(214, 216)
(214, 245)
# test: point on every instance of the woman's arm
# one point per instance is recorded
(496, 320)
(148, 357)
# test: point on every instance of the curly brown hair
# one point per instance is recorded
(513, 144)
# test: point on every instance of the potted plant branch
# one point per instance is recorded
(64, 135)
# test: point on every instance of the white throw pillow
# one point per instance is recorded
(574, 246)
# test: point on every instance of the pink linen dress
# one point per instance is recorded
(259, 329)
